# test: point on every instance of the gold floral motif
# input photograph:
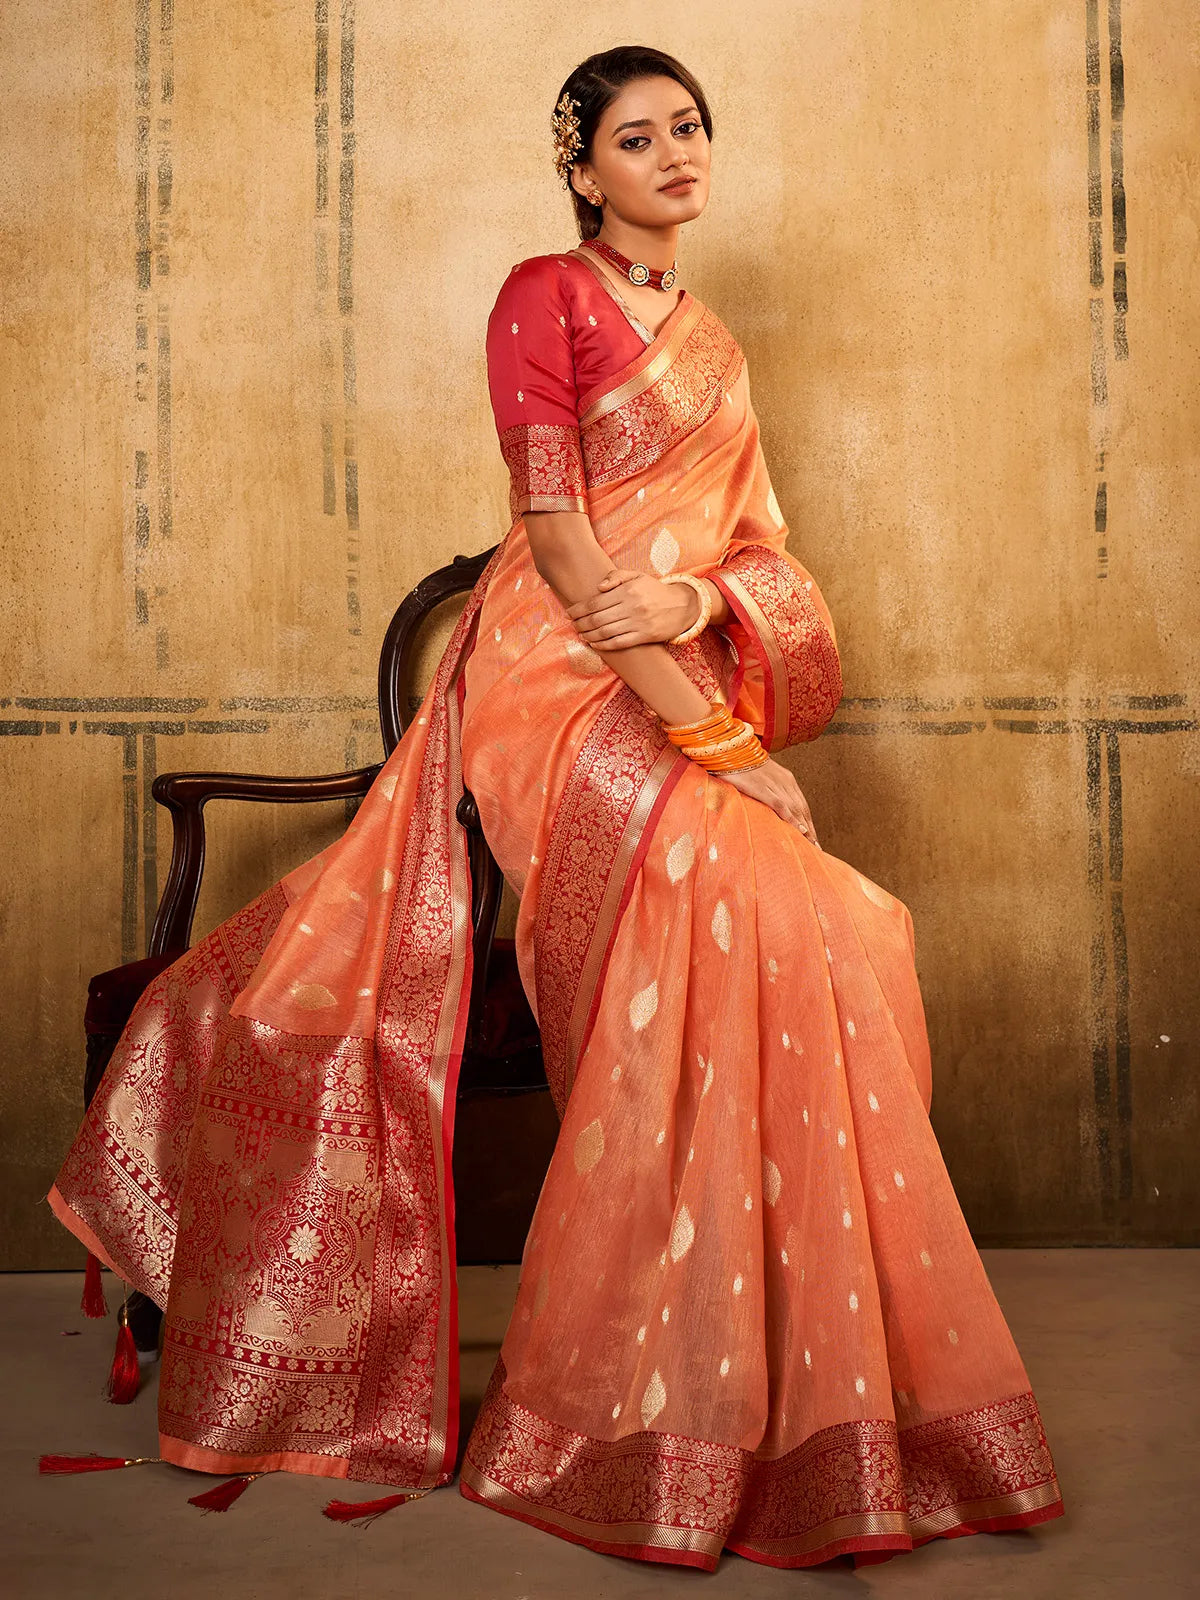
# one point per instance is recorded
(545, 464)
(642, 418)
(853, 1486)
(770, 599)
(306, 1248)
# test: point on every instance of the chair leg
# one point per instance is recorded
(145, 1321)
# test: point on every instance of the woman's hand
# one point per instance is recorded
(776, 786)
(633, 608)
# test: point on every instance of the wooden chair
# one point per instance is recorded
(505, 1125)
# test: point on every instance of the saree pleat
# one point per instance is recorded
(750, 1314)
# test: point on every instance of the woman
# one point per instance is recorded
(750, 1315)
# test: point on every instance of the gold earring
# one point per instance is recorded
(596, 198)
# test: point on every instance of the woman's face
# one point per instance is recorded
(648, 138)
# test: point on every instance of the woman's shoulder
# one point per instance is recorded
(553, 276)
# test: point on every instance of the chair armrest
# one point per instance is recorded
(185, 794)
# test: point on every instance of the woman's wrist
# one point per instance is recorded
(689, 605)
(720, 606)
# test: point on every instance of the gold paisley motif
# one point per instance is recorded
(541, 1294)
(680, 857)
(664, 552)
(644, 1004)
(654, 1399)
(683, 1234)
(313, 996)
(589, 1146)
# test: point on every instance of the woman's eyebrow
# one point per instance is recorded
(648, 122)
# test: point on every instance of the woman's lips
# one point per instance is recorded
(678, 186)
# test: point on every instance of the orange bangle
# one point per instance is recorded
(741, 734)
(744, 750)
(716, 729)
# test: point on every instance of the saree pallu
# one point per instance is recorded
(750, 1315)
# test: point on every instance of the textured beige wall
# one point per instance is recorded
(248, 256)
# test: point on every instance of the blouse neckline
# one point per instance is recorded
(637, 324)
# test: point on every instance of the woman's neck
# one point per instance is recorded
(656, 247)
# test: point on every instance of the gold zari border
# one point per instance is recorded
(854, 1486)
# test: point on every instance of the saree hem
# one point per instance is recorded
(857, 1486)
(74, 1223)
(866, 1549)
(198, 1458)
(476, 1486)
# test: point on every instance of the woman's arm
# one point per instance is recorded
(568, 556)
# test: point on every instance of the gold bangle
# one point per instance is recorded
(702, 595)
(741, 734)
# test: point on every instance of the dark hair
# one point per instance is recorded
(595, 84)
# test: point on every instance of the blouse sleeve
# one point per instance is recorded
(531, 380)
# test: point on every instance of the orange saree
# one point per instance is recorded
(750, 1315)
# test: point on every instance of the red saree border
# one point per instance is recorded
(666, 334)
(762, 640)
(624, 770)
(670, 394)
(802, 675)
(130, 1188)
(410, 1360)
(854, 1487)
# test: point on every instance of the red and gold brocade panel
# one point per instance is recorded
(126, 1168)
(790, 635)
(545, 464)
(665, 396)
(271, 1291)
(856, 1486)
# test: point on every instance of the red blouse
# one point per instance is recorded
(554, 334)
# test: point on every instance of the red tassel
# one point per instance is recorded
(93, 1303)
(92, 1463)
(223, 1496)
(365, 1511)
(125, 1376)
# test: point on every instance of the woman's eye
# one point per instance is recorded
(639, 140)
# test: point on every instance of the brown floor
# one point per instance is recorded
(1110, 1338)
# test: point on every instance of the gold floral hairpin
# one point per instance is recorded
(567, 142)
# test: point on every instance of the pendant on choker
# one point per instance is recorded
(636, 271)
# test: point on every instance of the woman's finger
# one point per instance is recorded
(623, 641)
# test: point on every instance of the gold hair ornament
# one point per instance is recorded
(567, 140)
